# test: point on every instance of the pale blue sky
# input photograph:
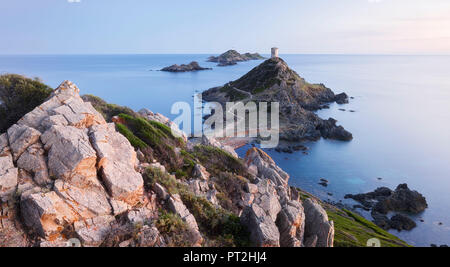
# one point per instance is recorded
(212, 26)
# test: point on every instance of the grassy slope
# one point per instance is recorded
(352, 230)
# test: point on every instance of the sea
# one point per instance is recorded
(400, 123)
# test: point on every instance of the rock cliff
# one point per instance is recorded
(69, 169)
(274, 213)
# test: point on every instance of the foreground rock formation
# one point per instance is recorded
(383, 200)
(193, 66)
(231, 57)
(274, 81)
(274, 213)
(69, 169)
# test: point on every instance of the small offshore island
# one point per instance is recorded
(232, 57)
(193, 66)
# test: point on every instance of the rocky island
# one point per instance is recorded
(193, 66)
(231, 57)
(383, 200)
(77, 169)
(274, 81)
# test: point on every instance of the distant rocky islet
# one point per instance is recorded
(193, 66)
(232, 57)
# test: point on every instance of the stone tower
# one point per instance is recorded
(274, 52)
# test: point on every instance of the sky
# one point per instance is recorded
(213, 26)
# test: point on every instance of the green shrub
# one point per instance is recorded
(107, 110)
(155, 175)
(352, 230)
(217, 160)
(134, 140)
(18, 96)
(221, 227)
(157, 136)
(174, 229)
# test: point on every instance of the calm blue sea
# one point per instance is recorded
(401, 126)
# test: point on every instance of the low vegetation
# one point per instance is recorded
(352, 230)
(107, 110)
(18, 96)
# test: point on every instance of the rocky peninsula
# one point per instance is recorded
(231, 57)
(193, 66)
(274, 81)
(105, 175)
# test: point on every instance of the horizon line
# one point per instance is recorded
(306, 54)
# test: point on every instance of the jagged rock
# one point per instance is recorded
(176, 206)
(70, 154)
(92, 232)
(88, 202)
(401, 222)
(64, 101)
(266, 166)
(8, 178)
(4, 145)
(341, 98)
(317, 224)
(20, 138)
(251, 188)
(164, 120)
(205, 189)
(49, 121)
(149, 236)
(117, 161)
(263, 230)
(79, 114)
(261, 214)
(141, 215)
(46, 213)
(381, 220)
(25, 184)
(383, 200)
(291, 224)
(33, 160)
(118, 206)
(60, 242)
(161, 192)
(11, 232)
(193, 66)
(211, 141)
(311, 242)
(330, 130)
(200, 172)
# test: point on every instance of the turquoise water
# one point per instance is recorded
(401, 125)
